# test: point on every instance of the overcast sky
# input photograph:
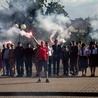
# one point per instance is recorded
(75, 8)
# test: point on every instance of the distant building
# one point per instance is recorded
(81, 24)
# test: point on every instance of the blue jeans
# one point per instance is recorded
(4, 67)
(56, 62)
(20, 66)
(28, 65)
(7, 65)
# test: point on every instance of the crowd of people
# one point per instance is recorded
(77, 57)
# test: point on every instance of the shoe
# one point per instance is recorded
(92, 75)
(83, 75)
(18, 76)
(2, 75)
(39, 81)
(73, 74)
(7, 75)
(68, 74)
(47, 81)
(11, 75)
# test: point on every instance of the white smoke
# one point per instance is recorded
(8, 35)
(18, 5)
(94, 25)
(7, 32)
(55, 25)
(11, 34)
(94, 35)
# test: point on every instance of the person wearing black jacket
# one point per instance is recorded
(65, 60)
(3, 63)
(74, 57)
(28, 53)
(19, 56)
(56, 56)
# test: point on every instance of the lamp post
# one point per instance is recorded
(21, 27)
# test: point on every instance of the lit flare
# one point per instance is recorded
(27, 34)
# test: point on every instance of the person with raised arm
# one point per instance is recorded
(42, 59)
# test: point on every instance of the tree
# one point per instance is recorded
(55, 7)
(25, 11)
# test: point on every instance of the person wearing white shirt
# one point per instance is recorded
(50, 51)
(83, 59)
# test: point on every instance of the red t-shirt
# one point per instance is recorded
(42, 53)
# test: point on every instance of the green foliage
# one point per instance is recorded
(55, 7)
(24, 11)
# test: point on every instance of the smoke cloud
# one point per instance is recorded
(7, 31)
(55, 26)
(94, 25)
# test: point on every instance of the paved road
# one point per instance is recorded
(59, 87)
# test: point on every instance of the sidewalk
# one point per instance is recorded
(59, 87)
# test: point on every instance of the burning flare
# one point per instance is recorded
(8, 42)
(27, 34)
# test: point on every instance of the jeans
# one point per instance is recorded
(56, 61)
(28, 65)
(20, 66)
(4, 67)
(7, 65)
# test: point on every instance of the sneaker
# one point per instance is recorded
(39, 81)
(69, 74)
(47, 81)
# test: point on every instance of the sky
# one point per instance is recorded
(74, 8)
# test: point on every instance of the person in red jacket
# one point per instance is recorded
(42, 59)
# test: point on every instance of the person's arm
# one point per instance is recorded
(35, 40)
